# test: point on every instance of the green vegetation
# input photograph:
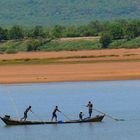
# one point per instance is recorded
(65, 12)
(56, 45)
(105, 40)
(71, 45)
(115, 34)
(123, 43)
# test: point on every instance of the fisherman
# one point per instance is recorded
(81, 115)
(90, 108)
(54, 113)
(25, 113)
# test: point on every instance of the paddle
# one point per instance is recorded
(109, 115)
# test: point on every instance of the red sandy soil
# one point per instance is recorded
(101, 70)
(107, 52)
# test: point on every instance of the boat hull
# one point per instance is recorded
(9, 121)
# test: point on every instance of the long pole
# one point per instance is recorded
(14, 105)
(108, 115)
(37, 116)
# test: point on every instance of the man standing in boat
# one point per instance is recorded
(25, 113)
(90, 108)
(54, 113)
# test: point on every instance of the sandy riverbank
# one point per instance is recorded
(97, 69)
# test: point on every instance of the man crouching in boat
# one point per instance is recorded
(25, 113)
(54, 113)
(81, 115)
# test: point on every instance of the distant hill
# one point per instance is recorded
(65, 12)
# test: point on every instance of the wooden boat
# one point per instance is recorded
(8, 121)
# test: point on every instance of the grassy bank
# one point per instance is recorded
(71, 45)
(123, 43)
(14, 46)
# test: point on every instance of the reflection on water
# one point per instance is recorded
(119, 99)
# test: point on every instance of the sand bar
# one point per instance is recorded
(107, 70)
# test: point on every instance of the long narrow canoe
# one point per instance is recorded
(8, 121)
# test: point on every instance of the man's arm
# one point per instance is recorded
(58, 110)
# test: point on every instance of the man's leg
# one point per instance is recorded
(25, 117)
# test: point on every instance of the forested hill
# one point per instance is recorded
(67, 12)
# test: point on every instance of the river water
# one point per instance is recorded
(119, 99)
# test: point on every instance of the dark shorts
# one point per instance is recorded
(25, 114)
(54, 115)
(90, 110)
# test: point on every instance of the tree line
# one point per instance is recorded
(108, 30)
(58, 31)
(121, 29)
